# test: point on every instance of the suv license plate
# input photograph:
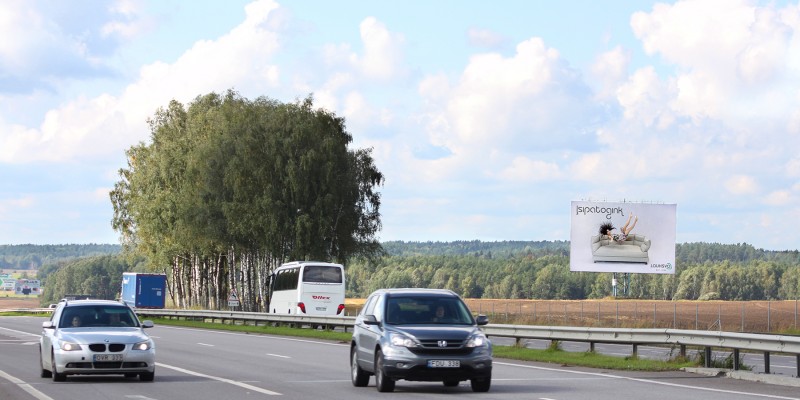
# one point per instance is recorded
(444, 363)
(322, 308)
(107, 357)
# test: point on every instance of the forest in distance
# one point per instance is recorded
(474, 269)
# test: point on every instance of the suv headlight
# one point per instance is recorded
(146, 345)
(477, 340)
(400, 340)
(69, 346)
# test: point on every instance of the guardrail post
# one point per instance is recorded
(736, 359)
(683, 351)
(797, 365)
(591, 350)
(766, 362)
(635, 350)
(707, 354)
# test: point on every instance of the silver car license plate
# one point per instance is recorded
(107, 357)
(444, 363)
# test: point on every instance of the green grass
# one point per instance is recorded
(261, 329)
(589, 359)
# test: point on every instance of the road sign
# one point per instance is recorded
(233, 299)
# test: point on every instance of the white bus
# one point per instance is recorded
(307, 287)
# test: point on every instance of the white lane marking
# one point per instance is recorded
(225, 380)
(646, 381)
(205, 344)
(545, 398)
(277, 355)
(24, 386)
(16, 331)
(138, 396)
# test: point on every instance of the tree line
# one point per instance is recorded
(33, 257)
(507, 270)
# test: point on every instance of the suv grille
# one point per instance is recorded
(432, 347)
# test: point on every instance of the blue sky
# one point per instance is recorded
(487, 118)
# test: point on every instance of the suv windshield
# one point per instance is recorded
(403, 310)
(97, 316)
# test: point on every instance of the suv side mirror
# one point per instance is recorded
(370, 320)
(48, 325)
(147, 324)
(482, 319)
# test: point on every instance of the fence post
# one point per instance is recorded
(598, 314)
(742, 317)
(616, 316)
(654, 315)
(769, 317)
(565, 315)
(674, 315)
(696, 312)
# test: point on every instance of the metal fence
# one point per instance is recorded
(731, 316)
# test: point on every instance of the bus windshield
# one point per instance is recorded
(322, 274)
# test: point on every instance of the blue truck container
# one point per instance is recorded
(144, 290)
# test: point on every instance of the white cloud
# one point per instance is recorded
(779, 198)
(108, 124)
(741, 185)
(610, 70)
(383, 51)
(645, 98)
(526, 170)
(485, 38)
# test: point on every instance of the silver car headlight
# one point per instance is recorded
(401, 340)
(477, 340)
(69, 346)
(146, 345)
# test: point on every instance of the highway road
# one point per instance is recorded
(195, 364)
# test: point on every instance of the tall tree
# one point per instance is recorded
(229, 188)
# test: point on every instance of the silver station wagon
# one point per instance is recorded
(96, 337)
(419, 335)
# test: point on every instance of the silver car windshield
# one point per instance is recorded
(427, 310)
(97, 316)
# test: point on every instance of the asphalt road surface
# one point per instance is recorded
(195, 364)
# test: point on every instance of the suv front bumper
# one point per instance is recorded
(400, 363)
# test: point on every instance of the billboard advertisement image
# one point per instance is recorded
(622, 237)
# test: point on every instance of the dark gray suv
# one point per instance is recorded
(419, 335)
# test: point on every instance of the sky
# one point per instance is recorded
(486, 118)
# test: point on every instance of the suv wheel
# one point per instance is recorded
(382, 382)
(481, 384)
(359, 377)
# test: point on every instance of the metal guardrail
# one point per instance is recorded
(765, 343)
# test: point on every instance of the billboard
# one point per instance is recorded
(28, 287)
(622, 237)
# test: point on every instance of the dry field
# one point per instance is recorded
(735, 316)
(10, 302)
